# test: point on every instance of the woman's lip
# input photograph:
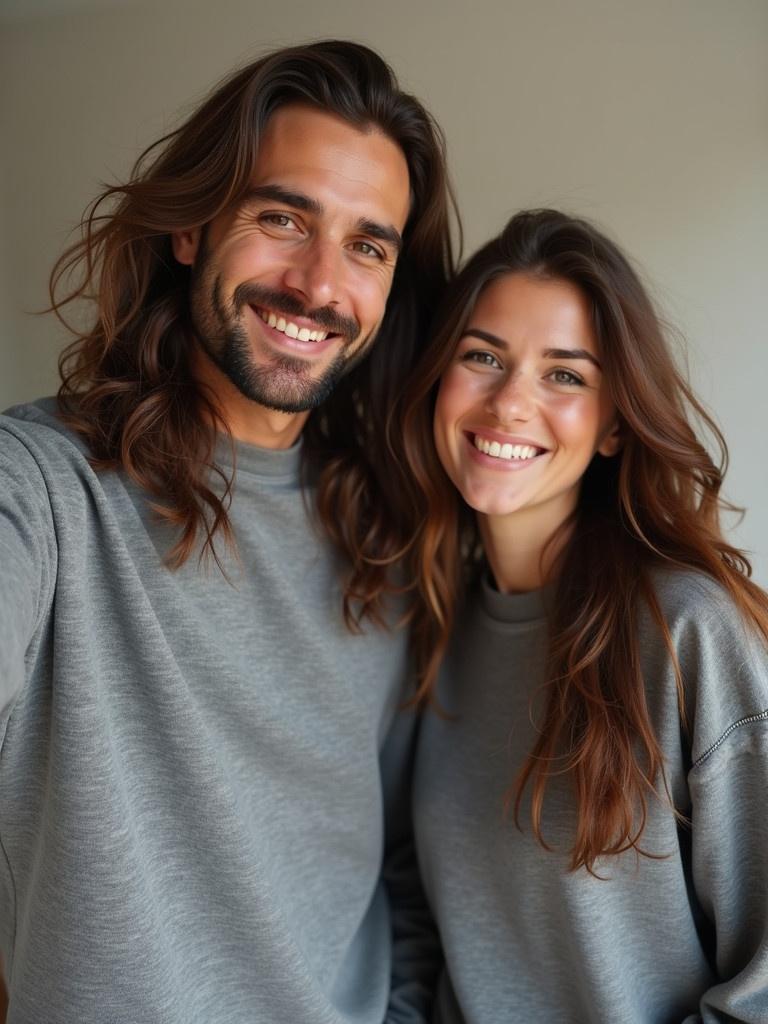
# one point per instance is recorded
(489, 434)
(495, 461)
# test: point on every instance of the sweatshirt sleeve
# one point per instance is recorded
(728, 784)
(416, 950)
(27, 562)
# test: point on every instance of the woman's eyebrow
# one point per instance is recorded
(571, 353)
(549, 353)
(492, 339)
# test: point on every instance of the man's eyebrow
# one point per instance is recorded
(381, 232)
(305, 203)
(278, 194)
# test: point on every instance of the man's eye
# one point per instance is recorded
(279, 220)
(565, 377)
(366, 249)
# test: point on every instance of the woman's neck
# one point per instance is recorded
(520, 548)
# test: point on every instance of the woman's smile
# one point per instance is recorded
(522, 408)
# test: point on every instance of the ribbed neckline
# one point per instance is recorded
(519, 608)
(272, 463)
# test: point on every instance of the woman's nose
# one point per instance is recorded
(514, 399)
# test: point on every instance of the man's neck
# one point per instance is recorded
(266, 428)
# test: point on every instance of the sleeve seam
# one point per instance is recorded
(761, 716)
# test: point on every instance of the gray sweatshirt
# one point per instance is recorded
(194, 771)
(653, 941)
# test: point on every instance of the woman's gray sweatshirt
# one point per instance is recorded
(681, 937)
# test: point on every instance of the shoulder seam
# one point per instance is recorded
(762, 716)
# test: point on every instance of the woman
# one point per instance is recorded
(590, 797)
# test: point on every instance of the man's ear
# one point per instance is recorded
(612, 440)
(185, 245)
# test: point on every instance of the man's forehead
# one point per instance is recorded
(329, 161)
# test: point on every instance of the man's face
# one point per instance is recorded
(289, 288)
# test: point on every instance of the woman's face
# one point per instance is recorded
(522, 408)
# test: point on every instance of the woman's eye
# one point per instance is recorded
(484, 358)
(565, 377)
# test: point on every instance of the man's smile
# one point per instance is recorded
(289, 327)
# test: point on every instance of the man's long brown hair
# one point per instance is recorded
(127, 387)
(656, 503)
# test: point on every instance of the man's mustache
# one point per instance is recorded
(283, 302)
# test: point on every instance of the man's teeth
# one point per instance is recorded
(291, 330)
(504, 451)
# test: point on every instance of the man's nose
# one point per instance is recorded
(316, 273)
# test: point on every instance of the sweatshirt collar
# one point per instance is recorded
(249, 459)
(518, 608)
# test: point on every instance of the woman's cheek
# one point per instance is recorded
(446, 417)
(459, 393)
(575, 412)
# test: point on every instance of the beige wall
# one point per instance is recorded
(648, 117)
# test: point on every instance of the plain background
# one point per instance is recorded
(648, 117)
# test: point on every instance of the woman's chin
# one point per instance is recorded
(487, 503)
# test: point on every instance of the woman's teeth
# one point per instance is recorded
(290, 329)
(504, 451)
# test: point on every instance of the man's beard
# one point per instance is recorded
(283, 382)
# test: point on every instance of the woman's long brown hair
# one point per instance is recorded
(127, 387)
(655, 503)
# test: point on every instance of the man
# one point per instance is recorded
(197, 751)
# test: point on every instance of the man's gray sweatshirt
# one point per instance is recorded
(679, 936)
(194, 770)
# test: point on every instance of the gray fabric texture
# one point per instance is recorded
(194, 770)
(679, 938)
